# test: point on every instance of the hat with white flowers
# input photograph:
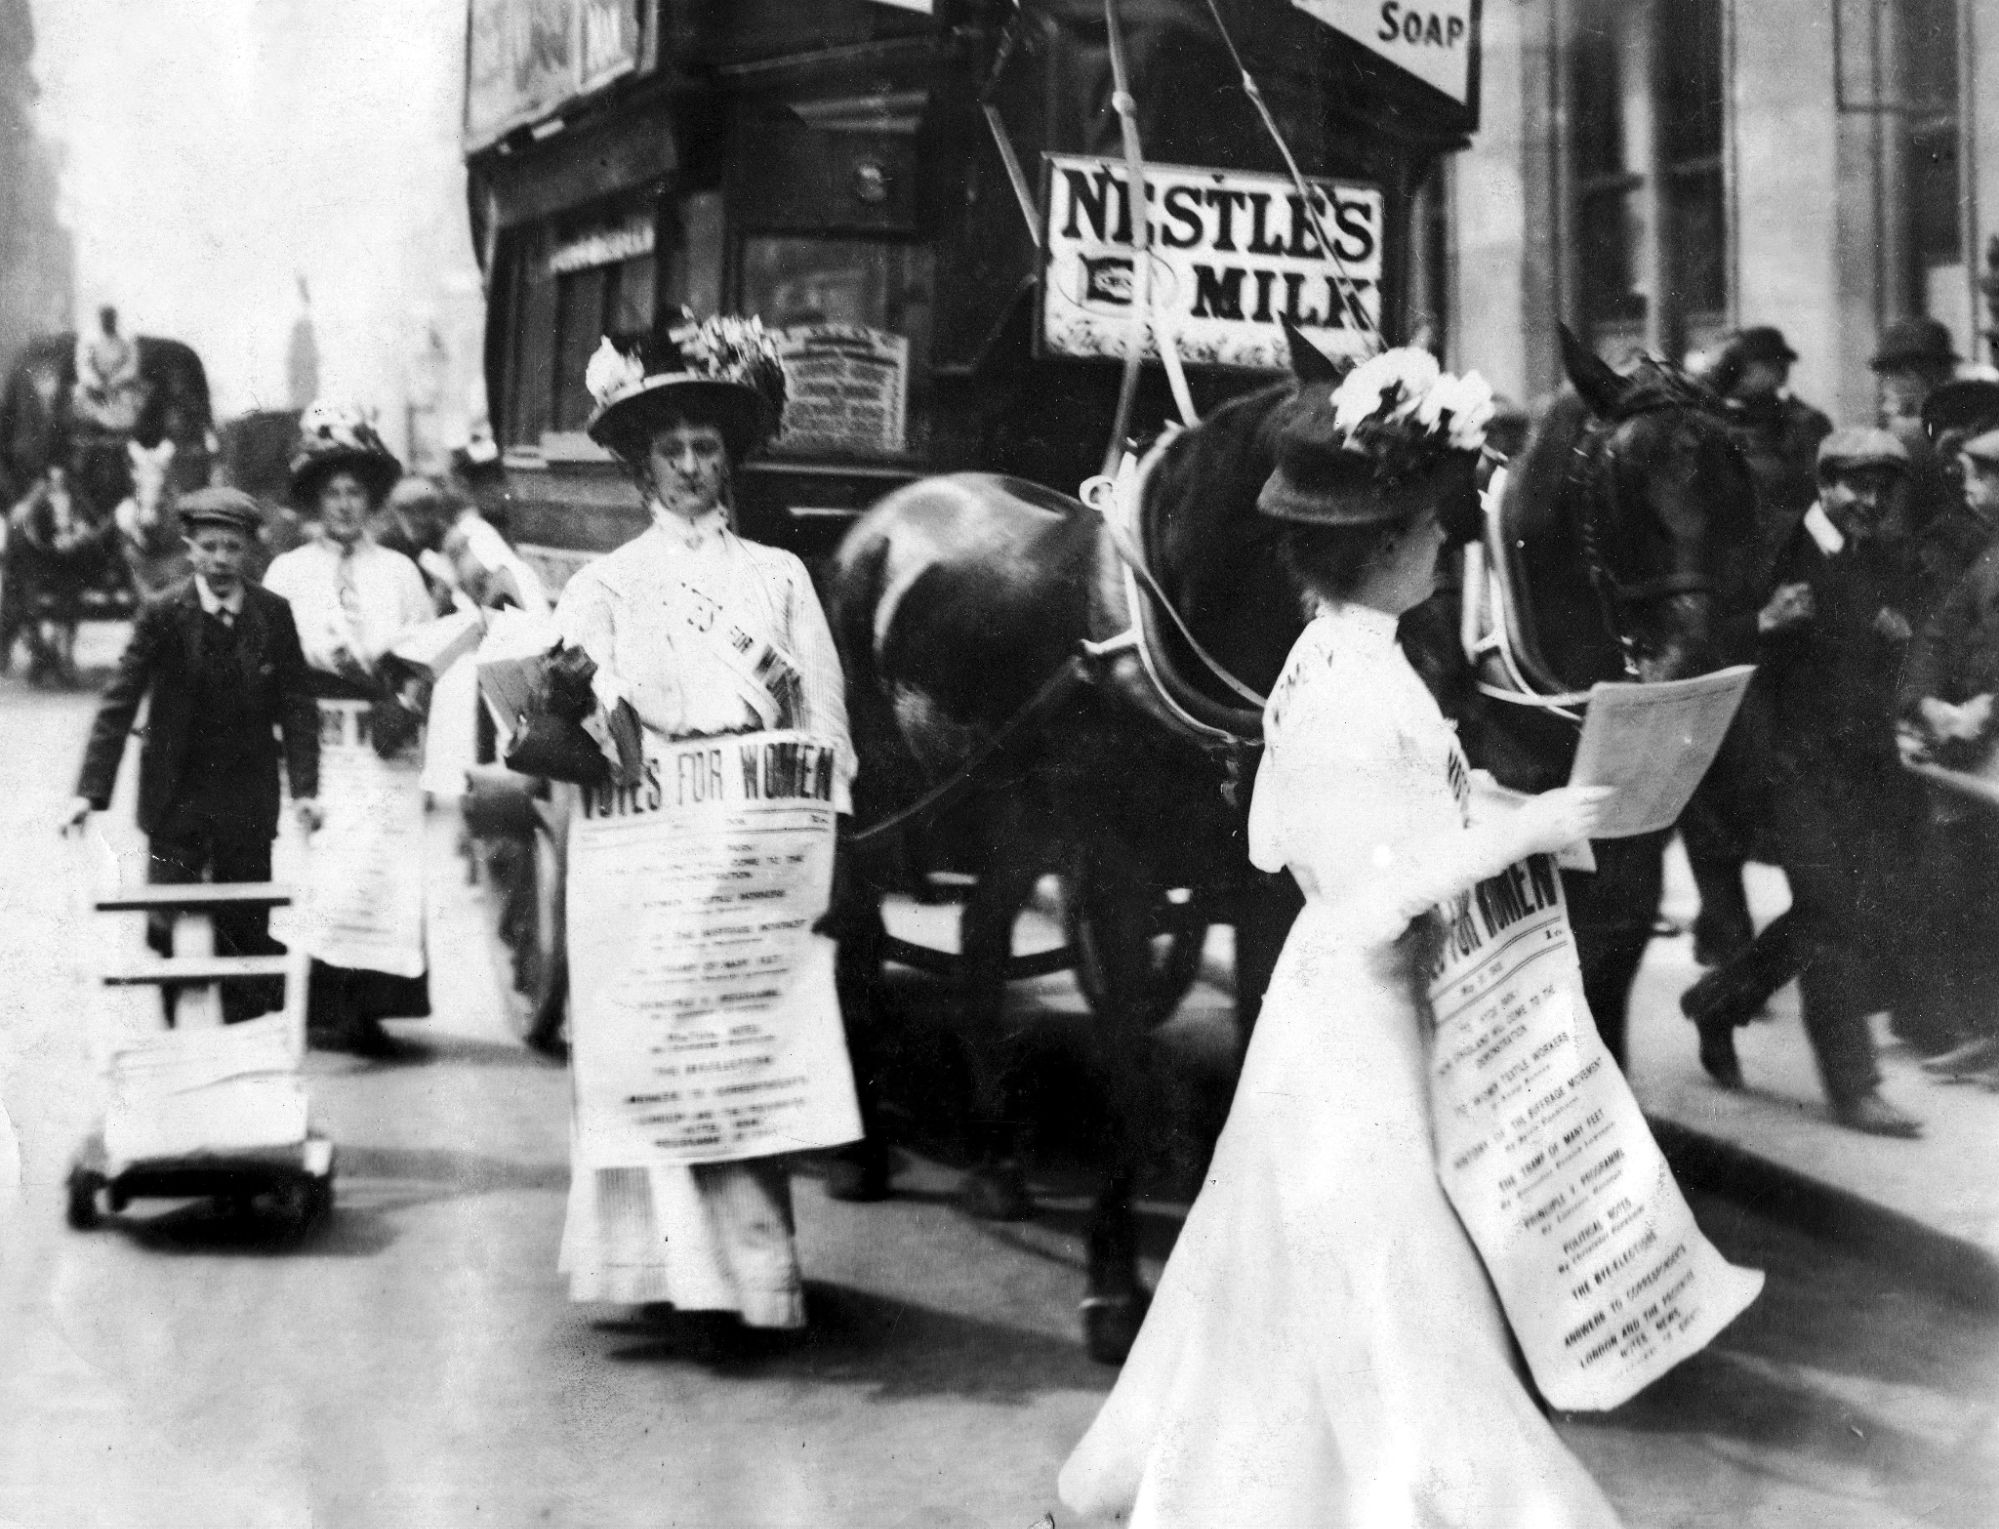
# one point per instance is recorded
(340, 438)
(1398, 435)
(722, 371)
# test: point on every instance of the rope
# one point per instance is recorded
(1016, 176)
(1141, 242)
(1250, 88)
(1104, 496)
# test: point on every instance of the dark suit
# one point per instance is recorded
(220, 693)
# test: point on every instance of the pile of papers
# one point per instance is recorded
(220, 1088)
(436, 645)
(509, 663)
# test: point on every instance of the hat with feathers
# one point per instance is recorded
(340, 438)
(722, 371)
(1397, 435)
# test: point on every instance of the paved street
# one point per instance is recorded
(419, 1364)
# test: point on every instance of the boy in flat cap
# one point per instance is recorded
(220, 661)
(1846, 817)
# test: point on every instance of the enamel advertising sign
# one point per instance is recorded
(1435, 40)
(1233, 255)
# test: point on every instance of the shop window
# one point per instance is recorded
(575, 279)
(1646, 129)
(854, 316)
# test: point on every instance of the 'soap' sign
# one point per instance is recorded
(1435, 40)
(1233, 255)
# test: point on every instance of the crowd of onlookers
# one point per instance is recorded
(1875, 629)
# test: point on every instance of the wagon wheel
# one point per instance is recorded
(1176, 958)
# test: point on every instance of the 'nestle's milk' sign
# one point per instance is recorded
(1233, 255)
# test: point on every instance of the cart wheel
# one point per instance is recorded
(303, 1203)
(1176, 962)
(82, 1209)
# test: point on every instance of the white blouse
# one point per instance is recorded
(1362, 790)
(663, 617)
(383, 597)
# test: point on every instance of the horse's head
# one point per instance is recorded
(1215, 555)
(1659, 498)
(152, 480)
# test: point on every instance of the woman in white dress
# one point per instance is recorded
(699, 632)
(1324, 1347)
(353, 599)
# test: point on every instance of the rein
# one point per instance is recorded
(1116, 504)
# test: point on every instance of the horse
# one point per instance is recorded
(953, 602)
(149, 537)
(1626, 542)
(58, 550)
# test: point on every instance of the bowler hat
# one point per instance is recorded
(1857, 447)
(1763, 342)
(1970, 403)
(220, 507)
(1914, 342)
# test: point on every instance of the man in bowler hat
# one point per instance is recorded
(220, 661)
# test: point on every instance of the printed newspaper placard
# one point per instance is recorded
(1654, 742)
(705, 1026)
(365, 871)
(1605, 1278)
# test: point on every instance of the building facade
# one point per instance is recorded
(36, 259)
(1656, 173)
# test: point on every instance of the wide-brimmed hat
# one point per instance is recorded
(1914, 342)
(723, 371)
(340, 438)
(1762, 342)
(1858, 447)
(229, 507)
(1397, 436)
(1970, 403)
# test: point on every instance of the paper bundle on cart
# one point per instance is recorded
(222, 1088)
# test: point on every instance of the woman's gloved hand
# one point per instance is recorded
(565, 684)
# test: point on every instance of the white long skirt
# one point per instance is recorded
(1324, 1348)
(713, 1237)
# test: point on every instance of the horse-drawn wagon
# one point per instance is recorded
(934, 205)
(96, 432)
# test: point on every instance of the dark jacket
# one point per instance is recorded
(163, 660)
(1780, 439)
(1832, 679)
(1956, 653)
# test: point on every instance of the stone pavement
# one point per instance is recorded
(1930, 1205)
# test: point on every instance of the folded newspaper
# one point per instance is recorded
(1654, 743)
(436, 645)
(509, 661)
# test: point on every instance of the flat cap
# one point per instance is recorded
(1983, 447)
(220, 507)
(1858, 446)
(1969, 403)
